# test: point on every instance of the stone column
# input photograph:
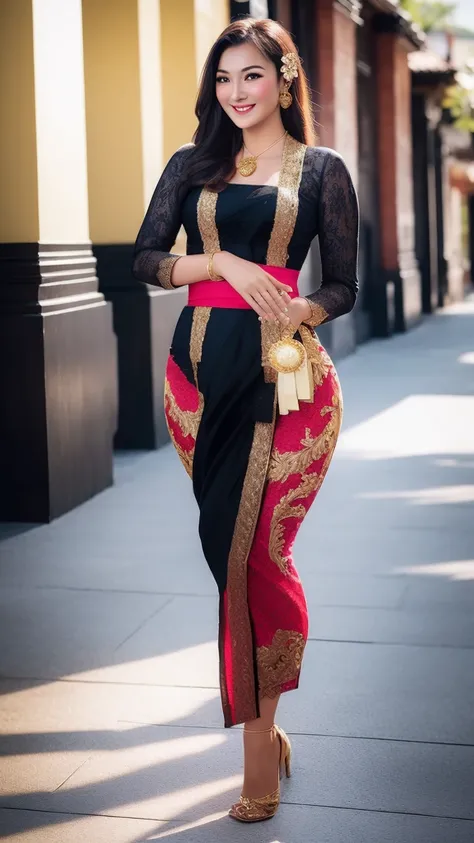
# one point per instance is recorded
(399, 300)
(57, 348)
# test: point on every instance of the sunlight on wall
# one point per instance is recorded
(417, 425)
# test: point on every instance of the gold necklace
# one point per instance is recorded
(248, 164)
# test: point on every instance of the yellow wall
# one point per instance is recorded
(179, 78)
(113, 113)
(211, 17)
(19, 220)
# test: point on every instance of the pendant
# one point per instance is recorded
(247, 166)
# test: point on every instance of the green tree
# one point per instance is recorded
(429, 14)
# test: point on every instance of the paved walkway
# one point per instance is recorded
(110, 718)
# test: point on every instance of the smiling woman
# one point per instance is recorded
(252, 193)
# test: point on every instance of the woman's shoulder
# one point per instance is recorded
(322, 155)
(179, 157)
(325, 163)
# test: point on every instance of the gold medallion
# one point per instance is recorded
(286, 356)
(247, 166)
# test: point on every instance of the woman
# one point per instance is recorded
(253, 413)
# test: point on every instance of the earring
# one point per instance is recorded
(285, 99)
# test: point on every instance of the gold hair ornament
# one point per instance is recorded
(289, 69)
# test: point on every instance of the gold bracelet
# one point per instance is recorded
(210, 271)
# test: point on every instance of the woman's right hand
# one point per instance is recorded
(259, 289)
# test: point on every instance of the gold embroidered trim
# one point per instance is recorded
(318, 314)
(188, 420)
(287, 202)
(280, 662)
(270, 333)
(283, 465)
(198, 332)
(186, 457)
(165, 268)
(238, 609)
(206, 218)
(181, 418)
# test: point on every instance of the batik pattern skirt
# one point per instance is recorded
(255, 474)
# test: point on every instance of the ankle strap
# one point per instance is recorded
(258, 731)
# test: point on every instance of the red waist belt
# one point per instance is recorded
(221, 294)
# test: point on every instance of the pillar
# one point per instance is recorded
(398, 304)
(335, 72)
(141, 70)
(57, 349)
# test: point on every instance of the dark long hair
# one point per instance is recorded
(217, 139)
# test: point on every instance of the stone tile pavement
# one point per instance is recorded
(110, 724)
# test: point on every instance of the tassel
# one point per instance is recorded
(287, 395)
(304, 381)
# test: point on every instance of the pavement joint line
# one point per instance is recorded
(410, 644)
(299, 734)
(380, 811)
(143, 623)
(224, 812)
(72, 774)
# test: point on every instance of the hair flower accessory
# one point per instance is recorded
(289, 66)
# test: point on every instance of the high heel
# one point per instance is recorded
(254, 810)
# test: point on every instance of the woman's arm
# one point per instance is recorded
(153, 262)
(338, 241)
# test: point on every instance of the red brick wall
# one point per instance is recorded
(386, 150)
(337, 81)
(404, 156)
(345, 83)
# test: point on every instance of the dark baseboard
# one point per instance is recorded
(57, 381)
(144, 319)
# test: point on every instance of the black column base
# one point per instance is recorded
(144, 321)
(57, 381)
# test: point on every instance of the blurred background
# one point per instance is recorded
(95, 97)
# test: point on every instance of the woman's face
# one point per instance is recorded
(247, 86)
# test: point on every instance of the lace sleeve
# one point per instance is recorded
(338, 242)
(152, 259)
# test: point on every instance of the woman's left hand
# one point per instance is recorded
(298, 310)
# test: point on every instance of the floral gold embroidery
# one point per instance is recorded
(280, 662)
(285, 509)
(318, 357)
(206, 218)
(283, 465)
(188, 420)
(287, 202)
(165, 269)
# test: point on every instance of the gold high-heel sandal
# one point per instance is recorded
(249, 810)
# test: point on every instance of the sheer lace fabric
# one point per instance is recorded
(328, 208)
